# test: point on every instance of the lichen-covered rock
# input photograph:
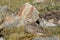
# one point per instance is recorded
(27, 14)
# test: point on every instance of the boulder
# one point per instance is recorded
(27, 14)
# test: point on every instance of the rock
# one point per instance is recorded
(50, 18)
(2, 38)
(38, 1)
(46, 38)
(45, 23)
(58, 22)
(27, 14)
(34, 28)
(4, 8)
(53, 14)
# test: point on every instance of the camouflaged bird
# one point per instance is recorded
(50, 18)
(27, 14)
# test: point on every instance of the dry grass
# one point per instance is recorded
(13, 4)
(19, 33)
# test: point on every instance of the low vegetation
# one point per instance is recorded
(18, 33)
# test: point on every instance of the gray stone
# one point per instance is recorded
(46, 38)
(38, 1)
(45, 23)
(2, 38)
(4, 11)
(34, 28)
(4, 8)
(50, 18)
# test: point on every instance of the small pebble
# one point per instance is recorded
(2, 38)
